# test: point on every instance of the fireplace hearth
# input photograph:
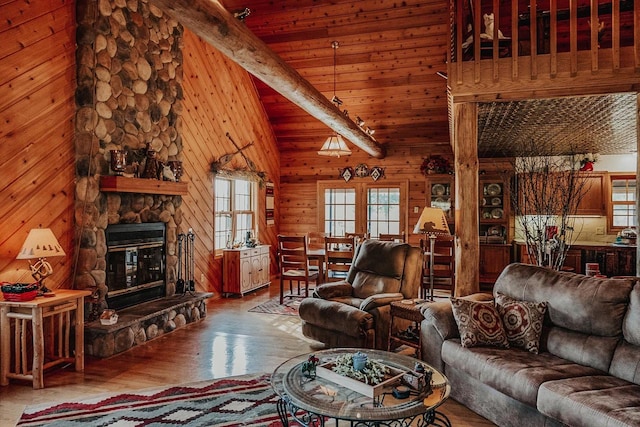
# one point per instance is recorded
(135, 263)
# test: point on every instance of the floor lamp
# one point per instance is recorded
(432, 223)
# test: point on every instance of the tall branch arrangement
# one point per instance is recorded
(546, 194)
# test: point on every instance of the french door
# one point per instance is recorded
(362, 208)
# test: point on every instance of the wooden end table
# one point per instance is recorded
(14, 316)
(408, 310)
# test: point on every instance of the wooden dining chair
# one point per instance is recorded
(294, 264)
(338, 256)
(359, 237)
(443, 264)
(392, 237)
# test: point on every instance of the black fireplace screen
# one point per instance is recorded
(135, 263)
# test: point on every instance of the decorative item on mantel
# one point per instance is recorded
(587, 161)
(435, 164)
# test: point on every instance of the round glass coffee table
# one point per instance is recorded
(313, 401)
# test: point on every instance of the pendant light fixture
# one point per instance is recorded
(335, 146)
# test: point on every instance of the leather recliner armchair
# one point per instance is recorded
(355, 312)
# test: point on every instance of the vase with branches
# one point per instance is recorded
(546, 194)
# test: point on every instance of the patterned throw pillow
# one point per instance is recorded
(479, 323)
(522, 321)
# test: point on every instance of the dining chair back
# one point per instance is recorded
(294, 264)
(443, 264)
(338, 256)
(359, 237)
(392, 237)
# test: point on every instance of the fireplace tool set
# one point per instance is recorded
(186, 263)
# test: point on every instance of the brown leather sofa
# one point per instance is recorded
(355, 312)
(587, 372)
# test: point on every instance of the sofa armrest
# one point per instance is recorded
(333, 290)
(378, 300)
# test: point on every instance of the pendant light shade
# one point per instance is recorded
(334, 146)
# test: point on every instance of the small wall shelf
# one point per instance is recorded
(121, 184)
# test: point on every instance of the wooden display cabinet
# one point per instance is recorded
(245, 269)
(494, 212)
(440, 194)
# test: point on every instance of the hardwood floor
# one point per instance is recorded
(230, 341)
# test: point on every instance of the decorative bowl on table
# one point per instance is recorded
(19, 291)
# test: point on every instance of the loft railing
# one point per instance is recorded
(530, 38)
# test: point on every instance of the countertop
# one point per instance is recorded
(579, 244)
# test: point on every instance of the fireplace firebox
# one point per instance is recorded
(135, 263)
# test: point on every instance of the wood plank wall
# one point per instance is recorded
(220, 97)
(37, 84)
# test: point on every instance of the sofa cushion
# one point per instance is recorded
(589, 350)
(514, 372)
(626, 362)
(575, 302)
(479, 323)
(591, 401)
(522, 321)
(631, 324)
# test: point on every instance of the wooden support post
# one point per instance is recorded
(465, 123)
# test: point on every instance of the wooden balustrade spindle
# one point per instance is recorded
(594, 36)
(573, 36)
(533, 30)
(553, 39)
(615, 33)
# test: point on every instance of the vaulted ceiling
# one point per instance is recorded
(389, 71)
(389, 54)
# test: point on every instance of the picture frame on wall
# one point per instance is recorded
(270, 204)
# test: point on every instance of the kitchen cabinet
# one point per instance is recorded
(593, 201)
(613, 260)
(493, 259)
(595, 195)
(245, 269)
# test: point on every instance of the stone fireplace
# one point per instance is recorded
(129, 74)
(135, 263)
(128, 97)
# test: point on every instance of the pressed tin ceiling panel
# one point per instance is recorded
(604, 124)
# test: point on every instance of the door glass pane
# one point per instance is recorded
(383, 215)
(339, 211)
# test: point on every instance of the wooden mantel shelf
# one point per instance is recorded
(121, 184)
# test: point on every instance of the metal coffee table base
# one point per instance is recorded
(308, 419)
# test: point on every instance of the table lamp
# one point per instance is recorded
(39, 244)
(433, 223)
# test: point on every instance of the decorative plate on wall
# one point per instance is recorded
(376, 173)
(362, 170)
(346, 174)
(438, 189)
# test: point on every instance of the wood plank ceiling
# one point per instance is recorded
(387, 62)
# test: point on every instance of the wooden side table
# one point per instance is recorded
(57, 309)
(408, 310)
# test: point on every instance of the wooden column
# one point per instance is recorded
(637, 170)
(465, 135)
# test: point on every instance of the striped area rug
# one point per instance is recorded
(246, 400)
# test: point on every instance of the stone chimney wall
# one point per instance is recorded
(129, 75)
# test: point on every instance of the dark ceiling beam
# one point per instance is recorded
(213, 23)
